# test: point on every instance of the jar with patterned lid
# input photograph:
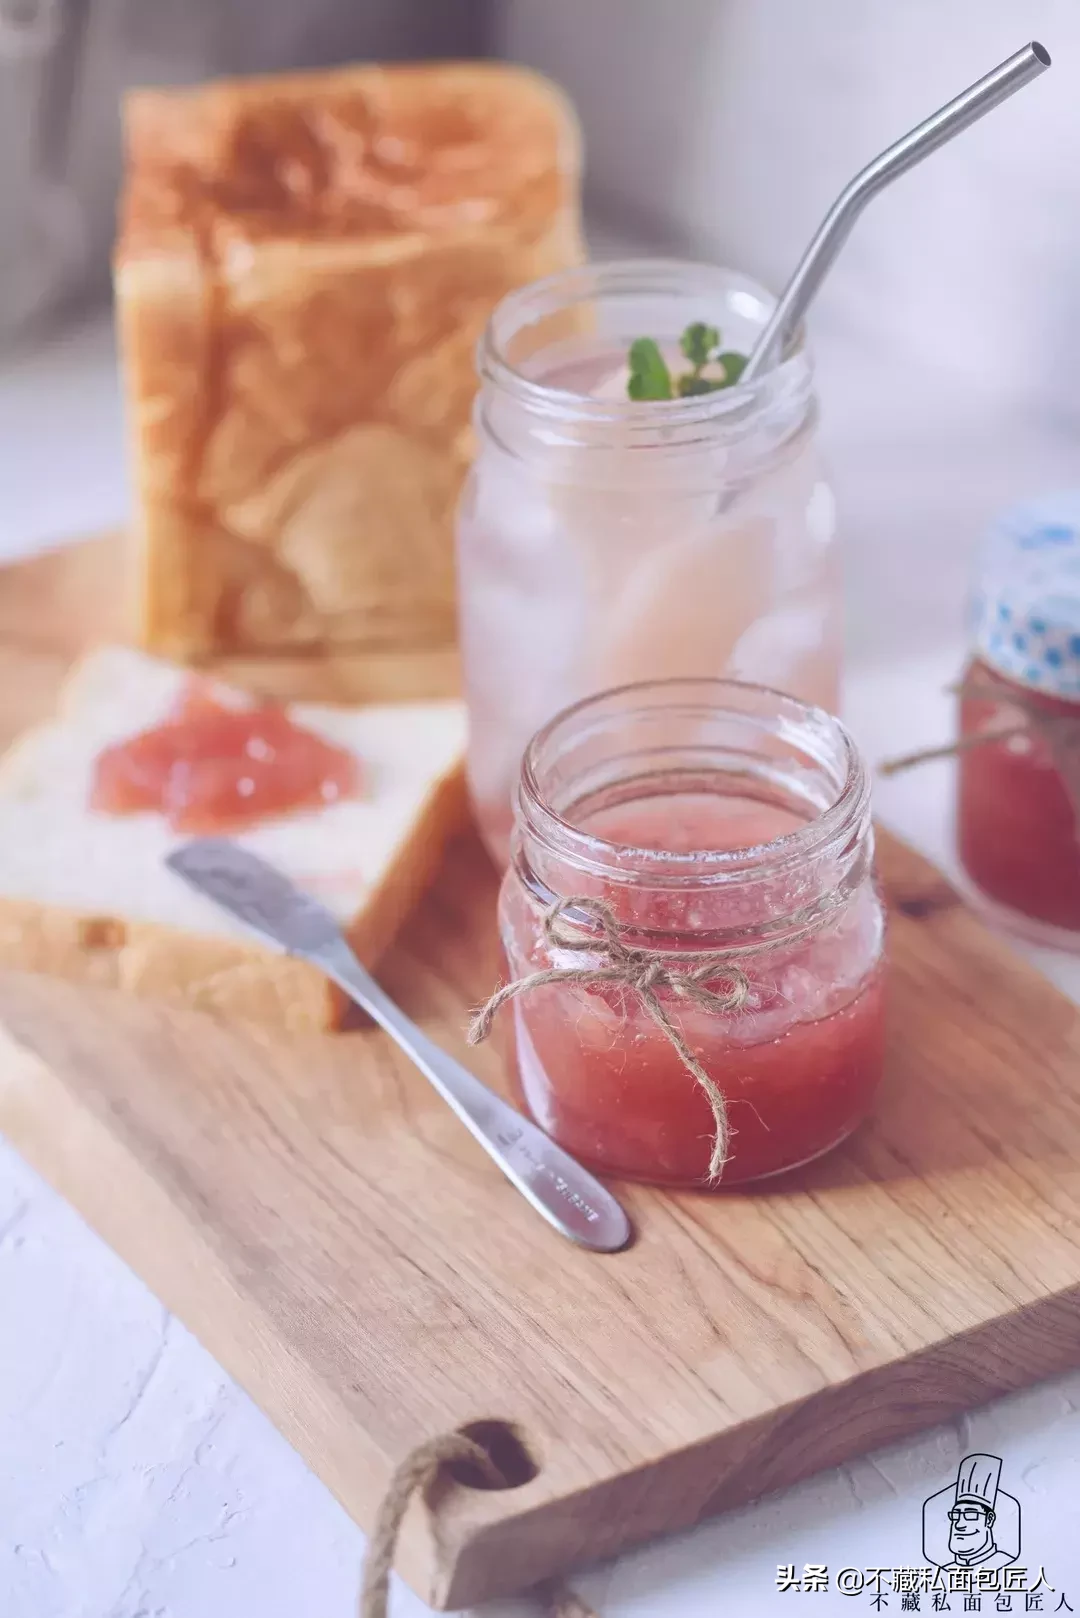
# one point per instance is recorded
(1018, 808)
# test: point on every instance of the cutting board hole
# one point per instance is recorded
(508, 1451)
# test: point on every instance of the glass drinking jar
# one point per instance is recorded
(603, 540)
(711, 817)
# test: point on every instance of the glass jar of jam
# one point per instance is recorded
(1019, 722)
(717, 822)
(603, 539)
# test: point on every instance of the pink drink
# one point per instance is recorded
(599, 546)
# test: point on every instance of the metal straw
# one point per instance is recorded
(815, 263)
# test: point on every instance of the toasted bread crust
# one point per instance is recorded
(230, 977)
(304, 267)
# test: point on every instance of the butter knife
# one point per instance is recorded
(262, 899)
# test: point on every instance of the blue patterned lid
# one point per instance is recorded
(1026, 602)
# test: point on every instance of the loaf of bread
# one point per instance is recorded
(304, 266)
(86, 895)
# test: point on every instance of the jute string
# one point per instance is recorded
(1060, 732)
(414, 1475)
(645, 973)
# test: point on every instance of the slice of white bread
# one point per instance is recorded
(86, 895)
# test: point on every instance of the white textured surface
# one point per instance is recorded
(137, 1482)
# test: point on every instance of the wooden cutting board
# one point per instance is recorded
(339, 1243)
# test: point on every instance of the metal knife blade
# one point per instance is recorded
(569, 1197)
(256, 894)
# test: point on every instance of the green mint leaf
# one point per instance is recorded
(649, 375)
(734, 366)
(698, 342)
(690, 384)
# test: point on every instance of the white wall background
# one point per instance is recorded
(729, 126)
(64, 65)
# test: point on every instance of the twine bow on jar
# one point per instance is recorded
(644, 972)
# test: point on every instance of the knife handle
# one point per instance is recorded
(567, 1195)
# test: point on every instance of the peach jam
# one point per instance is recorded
(1019, 759)
(710, 817)
(210, 767)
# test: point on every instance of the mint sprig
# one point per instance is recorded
(650, 376)
(698, 341)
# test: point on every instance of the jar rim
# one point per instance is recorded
(843, 818)
(739, 406)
